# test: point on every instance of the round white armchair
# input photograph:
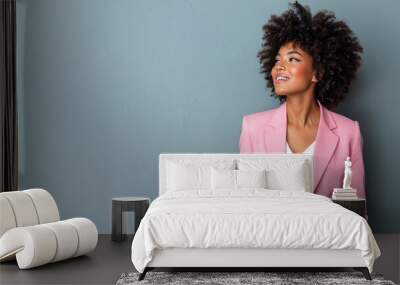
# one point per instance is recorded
(31, 230)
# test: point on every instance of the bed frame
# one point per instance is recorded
(247, 259)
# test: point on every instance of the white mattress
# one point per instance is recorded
(250, 218)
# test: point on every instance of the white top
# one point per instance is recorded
(129, 199)
(309, 149)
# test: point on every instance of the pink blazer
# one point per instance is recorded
(337, 138)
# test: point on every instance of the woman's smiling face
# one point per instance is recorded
(293, 71)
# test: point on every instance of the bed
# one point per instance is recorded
(245, 211)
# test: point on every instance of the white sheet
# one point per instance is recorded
(250, 218)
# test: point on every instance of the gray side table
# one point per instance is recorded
(125, 204)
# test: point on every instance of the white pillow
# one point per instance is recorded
(293, 178)
(223, 179)
(282, 174)
(236, 179)
(251, 178)
(192, 174)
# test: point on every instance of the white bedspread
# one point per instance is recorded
(250, 218)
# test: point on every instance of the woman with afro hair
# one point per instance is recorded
(309, 62)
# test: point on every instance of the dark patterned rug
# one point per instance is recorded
(275, 278)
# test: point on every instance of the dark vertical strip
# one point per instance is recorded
(8, 101)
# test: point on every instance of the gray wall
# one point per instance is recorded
(105, 86)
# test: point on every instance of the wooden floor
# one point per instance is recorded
(111, 259)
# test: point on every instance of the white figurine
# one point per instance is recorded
(347, 174)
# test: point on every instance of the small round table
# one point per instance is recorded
(126, 204)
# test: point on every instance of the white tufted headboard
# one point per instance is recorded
(164, 157)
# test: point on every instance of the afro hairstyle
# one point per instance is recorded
(334, 49)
